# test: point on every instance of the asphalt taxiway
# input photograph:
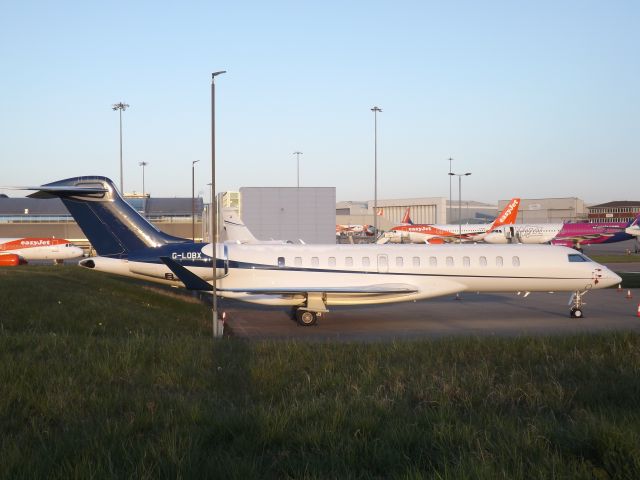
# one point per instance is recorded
(473, 314)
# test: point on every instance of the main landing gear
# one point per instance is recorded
(307, 318)
(577, 304)
(313, 309)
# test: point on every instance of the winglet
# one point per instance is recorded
(508, 215)
(191, 280)
(406, 218)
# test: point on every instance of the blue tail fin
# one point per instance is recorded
(113, 227)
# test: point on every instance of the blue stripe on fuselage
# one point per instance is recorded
(191, 255)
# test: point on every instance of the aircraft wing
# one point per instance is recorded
(380, 289)
(194, 282)
(191, 280)
(588, 236)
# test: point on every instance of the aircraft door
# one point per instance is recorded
(383, 264)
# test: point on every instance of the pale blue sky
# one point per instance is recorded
(536, 99)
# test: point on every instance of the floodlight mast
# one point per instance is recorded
(375, 111)
(460, 175)
(120, 107)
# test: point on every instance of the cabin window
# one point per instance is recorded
(499, 261)
(449, 261)
(348, 262)
(466, 261)
(433, 261)
(399, 262)
(315, 262)
(576, 257)
(416, 262)
(298, 261)
(365, 261)
(483, 261)
(332, 261)
(280, 262)
(515, 261)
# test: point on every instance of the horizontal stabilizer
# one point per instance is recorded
(191, 280)
(52, 192)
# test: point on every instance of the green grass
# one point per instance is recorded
(633, 258)
(102, 379)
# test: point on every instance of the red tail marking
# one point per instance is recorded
(407, 218)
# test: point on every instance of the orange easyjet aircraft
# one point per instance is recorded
(409, 232)
(17, 251)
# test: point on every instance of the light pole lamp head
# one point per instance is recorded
(376, 109)
(194, 162)
(467, 174)
(215, 74)
(120, 106)
(143, 164)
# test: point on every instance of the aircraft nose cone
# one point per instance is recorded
(611, 278)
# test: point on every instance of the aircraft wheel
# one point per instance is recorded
(576, 313)
(306, 318)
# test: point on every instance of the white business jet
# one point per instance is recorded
(312, 278)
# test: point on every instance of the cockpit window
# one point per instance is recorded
(576, 257)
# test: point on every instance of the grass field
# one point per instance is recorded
(635, 258)
(100, 378)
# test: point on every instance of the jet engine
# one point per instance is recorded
(11, 260)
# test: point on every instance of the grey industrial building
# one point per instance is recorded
(549, 210)
(422, 210)
(307, 213)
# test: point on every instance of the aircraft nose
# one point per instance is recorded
(610, 278)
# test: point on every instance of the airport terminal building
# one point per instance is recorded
(620, 211)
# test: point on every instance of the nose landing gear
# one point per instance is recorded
(577, 304)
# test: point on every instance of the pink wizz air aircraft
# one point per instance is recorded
(408, 232)
(17, 251)
(577, 234)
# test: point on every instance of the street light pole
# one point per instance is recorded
(193, 200)
(460, 175)
(375, 111)
(297, 154)
(121, 106)
(143, 164)
(214, 207)
(450, 198)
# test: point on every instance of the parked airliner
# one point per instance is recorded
(578, 234)
(533, 233)
(310, 278)
(408, 232)
(18, 251)
(573, 235)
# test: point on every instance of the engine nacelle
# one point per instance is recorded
(397, 236)
(496, 237)
(11, 260)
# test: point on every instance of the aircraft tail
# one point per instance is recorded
(113, 227)
(406, 218)
(508, 215)
(234, 228)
